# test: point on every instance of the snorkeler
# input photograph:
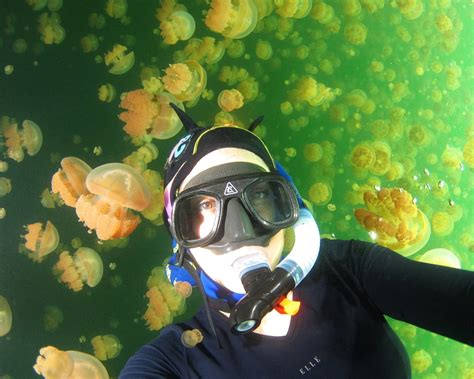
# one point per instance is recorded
(318, 311)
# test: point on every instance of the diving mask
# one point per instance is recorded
(202, 213)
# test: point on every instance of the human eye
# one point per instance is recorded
(206, 205)
(261, 192)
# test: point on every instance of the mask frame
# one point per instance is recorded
(223, 190)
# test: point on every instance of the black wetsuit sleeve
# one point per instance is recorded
(436, 298)
(160, 359)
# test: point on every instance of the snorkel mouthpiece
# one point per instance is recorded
(267, 290)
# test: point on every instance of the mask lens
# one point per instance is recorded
(271, 201)
(196, 216)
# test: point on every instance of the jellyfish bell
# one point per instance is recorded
(70, 181)
(232, 19)
(123, 65)
(12, 142)
(5, 186)
(106, 93)
(183, 288)
(190, 338)
(5, 317)
(393, 220)
(229, 100)
(115, 189)
(179, 26)
(121, 184)
(185, 81)
(423, 233)
(41, 241)
(116, 8)
(84, 267)
(70, 364)
(441, 257)
(166, 123)
(90, 266)
(32, 137)
(119, 61)
(106, 347)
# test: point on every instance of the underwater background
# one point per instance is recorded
(368, 104)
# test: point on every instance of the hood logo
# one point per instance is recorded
(179, 148)
(230, 189)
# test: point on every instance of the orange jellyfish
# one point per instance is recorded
(441, 257)
(294, 9)
(114, 188)
(320, 193)
(185, 81)
(70, 181)
(141, 110)
(310, 91)
(421, 361)
(154, 212)
(106, 93)
(452, 157)
(355, 33)
(166, 123)
(165, 302)
(5, 317)
(183, 288)
(229, 100)
(139, 159)
(393, 220)
(41, 241)
(411, 10)
(313, 152)
(179, 26)
(29, 138)
(106, 347)
(190, 338)
(84, 267)
(119, 61)
(263, 50)
(232, 19)
(383, 154)
(70, 364)
(50, 200)
(363, 156)
(50, 28)
(442, 223)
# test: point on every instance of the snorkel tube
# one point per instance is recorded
(267, 290)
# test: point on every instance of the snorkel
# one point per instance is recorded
(265, 289)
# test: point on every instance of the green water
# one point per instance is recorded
(56, 86)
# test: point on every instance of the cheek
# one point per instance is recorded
(208, 261)
(275, 248)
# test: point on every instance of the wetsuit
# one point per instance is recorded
(340, 330)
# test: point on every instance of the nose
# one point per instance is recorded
(238, 226)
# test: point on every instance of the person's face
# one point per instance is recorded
(220, 265)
